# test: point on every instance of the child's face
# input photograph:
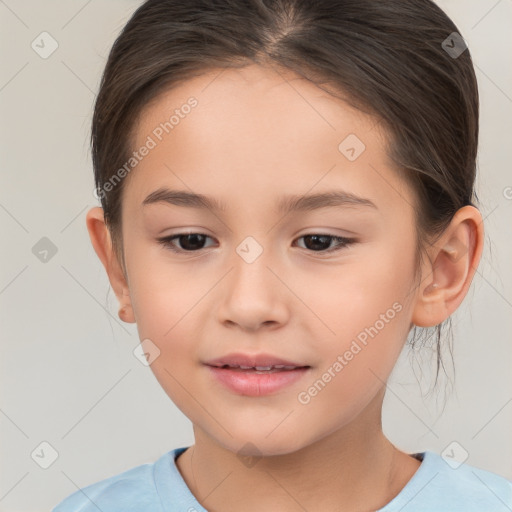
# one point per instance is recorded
(251, 140)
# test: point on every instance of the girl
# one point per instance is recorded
(321, 156)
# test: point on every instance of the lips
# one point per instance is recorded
(256, 375)
(272, 368)
(257, 362)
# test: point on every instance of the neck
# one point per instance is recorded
(334, 473)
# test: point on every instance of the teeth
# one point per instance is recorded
(259, 368)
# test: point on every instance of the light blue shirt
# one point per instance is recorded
(159, 487)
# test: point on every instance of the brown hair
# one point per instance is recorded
(388, 58)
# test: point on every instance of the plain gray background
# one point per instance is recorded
(68, 373)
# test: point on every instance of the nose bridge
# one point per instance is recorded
(251, 260)
(253, 294)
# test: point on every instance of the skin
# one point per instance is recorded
(258, 134)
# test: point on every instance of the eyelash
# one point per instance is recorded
(343, 242)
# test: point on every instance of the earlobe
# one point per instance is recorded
(102, 243)
(456, 256)
(126, 314)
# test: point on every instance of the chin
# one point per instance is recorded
(257, 445)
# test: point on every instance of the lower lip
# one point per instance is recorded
(251, 383)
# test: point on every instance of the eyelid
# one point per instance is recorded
(343, 242)
(166, 241)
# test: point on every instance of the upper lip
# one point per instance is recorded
(252, 360)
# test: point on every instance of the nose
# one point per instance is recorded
(253, 293)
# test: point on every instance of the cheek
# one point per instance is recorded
(363, 317)
(357, 360)
(347, 299)
(161, 293)
(165, 315)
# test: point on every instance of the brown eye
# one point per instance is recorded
(194, 242)
(321, 243)
(189, 242)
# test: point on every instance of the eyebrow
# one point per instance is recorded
(286, 204)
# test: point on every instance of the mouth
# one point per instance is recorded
(257, 380)
(254, 362)
(259, 369)
(256, 375)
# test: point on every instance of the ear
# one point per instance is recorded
(455, 258)
(102, 243)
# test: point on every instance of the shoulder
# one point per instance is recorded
(132, 490)
(443, 485)
(472, 486)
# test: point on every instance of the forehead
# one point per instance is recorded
(264, 97)
(255, 130)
